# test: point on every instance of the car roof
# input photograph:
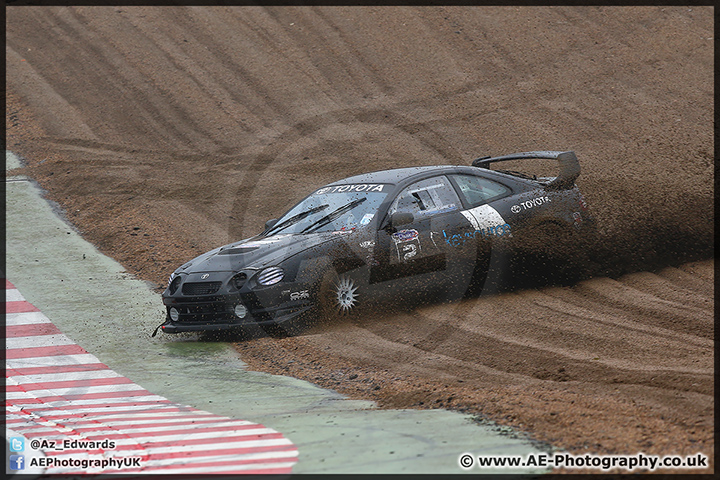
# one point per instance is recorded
(393, 176)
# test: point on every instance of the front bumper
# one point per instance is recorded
(170, 327)
(219, 324)
(217, 312)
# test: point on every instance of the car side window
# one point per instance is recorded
(479, 190)
(426, 197)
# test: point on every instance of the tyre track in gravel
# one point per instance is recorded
(599, 349)
(582, 336)
(101, 62)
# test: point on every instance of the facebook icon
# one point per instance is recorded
(17, 462)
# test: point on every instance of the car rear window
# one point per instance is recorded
(479, 190)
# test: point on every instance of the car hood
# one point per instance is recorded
(256, 252)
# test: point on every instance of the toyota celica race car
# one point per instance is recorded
(370, 235)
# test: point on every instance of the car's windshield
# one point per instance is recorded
(339, 208)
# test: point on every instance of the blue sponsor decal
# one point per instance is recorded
(459, 239)
(405, 236)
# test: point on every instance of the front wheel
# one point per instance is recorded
(338, 294)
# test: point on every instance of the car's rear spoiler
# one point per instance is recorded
(569, 165)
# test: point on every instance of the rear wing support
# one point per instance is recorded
(569, 165)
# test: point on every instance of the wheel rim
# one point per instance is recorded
(346, 294)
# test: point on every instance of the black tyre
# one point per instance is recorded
(338, 294)
(549, 254)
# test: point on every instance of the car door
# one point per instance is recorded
(487, 207)
(485, 210)
(428, 246)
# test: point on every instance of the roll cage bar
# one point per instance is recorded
(568, 162)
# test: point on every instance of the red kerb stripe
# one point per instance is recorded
(67, 416)
(88, 396)
(14, 353)
(20, 307)
(30, 330)
(86, 382)
(104, 395)
(80, 367)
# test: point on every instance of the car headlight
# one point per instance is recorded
(270, 276)
(238, 280)
(174, 284)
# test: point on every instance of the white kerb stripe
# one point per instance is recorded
(63, 376)
(26, 318)
(104, 402)
(52, 361)
(37, 341)
(13, 295)
(125, 408)
(59, 392)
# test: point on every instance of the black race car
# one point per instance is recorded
(420, 228)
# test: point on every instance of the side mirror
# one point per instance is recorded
(401, 218)
(270, 223)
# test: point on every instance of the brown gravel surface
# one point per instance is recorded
(165, 132)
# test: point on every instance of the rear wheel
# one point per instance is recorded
(550, 253)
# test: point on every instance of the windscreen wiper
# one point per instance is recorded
(333, 215)
(294, 219)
